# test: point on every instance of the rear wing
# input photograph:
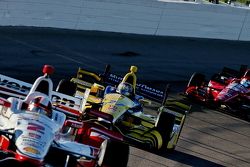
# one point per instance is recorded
(229, 72)
(85, 79)
(13, 87)
(141, 88)
(19, 89)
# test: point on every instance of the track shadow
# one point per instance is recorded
(190, 160)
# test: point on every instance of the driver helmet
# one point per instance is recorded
(125, 89)
(41, 105)
(245, 82)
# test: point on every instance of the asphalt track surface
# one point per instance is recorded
(209, 138)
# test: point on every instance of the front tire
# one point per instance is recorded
(196, 79)
(166, 91)
(164, 124)
(66, 87)
(113, 154)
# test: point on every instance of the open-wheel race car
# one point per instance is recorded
(228, 90)
(115, 105)
(35, 132)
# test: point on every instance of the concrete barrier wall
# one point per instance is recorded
(151, 17)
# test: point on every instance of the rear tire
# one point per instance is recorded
(60, 159)
(13, 163)
(113, 154)
(166, 92)
(66, 87)
(164, 124)
(196, 79)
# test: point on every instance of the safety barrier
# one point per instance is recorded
(154, 17)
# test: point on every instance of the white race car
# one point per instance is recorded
(32, 131)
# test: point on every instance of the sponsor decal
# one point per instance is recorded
(63, 101)
(113, 108)
(149, 90)
(31, 142)
(36, 127)
(76, 125)
(31, 150)
(141, 88)
(81, 82)
(120, 104)
(109, 101)
(7, 82)
(114, 78)
(33, 135)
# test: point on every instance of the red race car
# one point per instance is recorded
(228, 90)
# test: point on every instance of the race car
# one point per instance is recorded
(33, 129)
(228, 90)
(118, 109)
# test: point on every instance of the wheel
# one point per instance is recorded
(13, 162)
(66, 87)
(245, 112)
(167, 89)
(10, 161)
(50, 159)
(164, 124)
(172, 149)
(243, 70)
(196, 79)
(247, 73)
(113, 154)
(105, 73)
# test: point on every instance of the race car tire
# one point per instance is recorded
(245, 112)
(196, 80)
(60, 160)
(229, 72)
(167, 89)
(164, 124)
(113, 154)
(247, 73)
(66, 87)
(9, 162)
(105, 73)
(172, 149)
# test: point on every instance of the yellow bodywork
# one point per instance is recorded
(115, 104)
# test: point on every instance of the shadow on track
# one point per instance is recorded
(191, 160)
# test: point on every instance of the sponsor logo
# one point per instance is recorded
(115, 78)
(81, 82)
(14, 85)
(76, 125)
(147, 89)
(63, 101)
(112, 107)
(31, 150)
(140, 87)
(33, 135)
(33, 143)
(36, 127)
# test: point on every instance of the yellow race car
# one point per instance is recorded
(115, 106)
